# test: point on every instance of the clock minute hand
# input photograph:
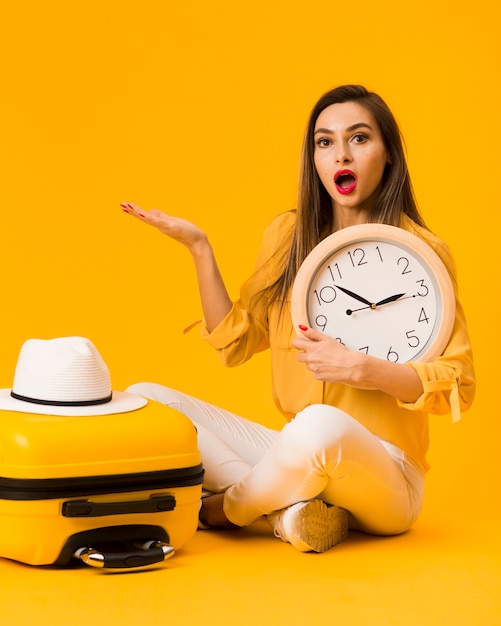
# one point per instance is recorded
(390, 299)
(354, 295)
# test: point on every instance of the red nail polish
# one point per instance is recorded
(301, 327)
(141, 214)
(124, 210)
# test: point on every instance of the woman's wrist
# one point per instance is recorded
(201, 249)
(396, 379)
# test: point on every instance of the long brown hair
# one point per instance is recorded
(314, 219)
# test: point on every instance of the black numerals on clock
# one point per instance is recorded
(335, 272)
(412, 340)
(337, 293)
(357, 257)
(321, 322)
(423, 290)
(423, 317)
(403, 263)
(325, 295)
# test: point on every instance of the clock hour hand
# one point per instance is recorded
(390, 299)
(376, 304)
(354, 295)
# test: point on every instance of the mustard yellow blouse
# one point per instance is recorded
(448, 382)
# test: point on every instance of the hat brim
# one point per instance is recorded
(121, 402)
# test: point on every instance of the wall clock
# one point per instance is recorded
(378, 289)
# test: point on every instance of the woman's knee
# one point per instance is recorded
(156, 392)
(325, 421)
(316, 429)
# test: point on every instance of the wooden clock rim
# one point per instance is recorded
(369, 232)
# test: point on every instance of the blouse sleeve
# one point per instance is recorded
(449, 381)
(244, 331)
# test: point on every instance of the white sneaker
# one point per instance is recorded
(310, 526)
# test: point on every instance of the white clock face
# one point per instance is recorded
(379, 297)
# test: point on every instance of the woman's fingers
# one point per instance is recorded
(177, 228)
(132, 209)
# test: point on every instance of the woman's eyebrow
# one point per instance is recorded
(348, 130)
(359, 125)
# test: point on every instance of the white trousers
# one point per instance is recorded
(322, 453)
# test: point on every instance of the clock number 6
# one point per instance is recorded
(392, 355)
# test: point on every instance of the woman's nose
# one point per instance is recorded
(342, 154)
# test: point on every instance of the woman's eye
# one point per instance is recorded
(323, 142)
(360, 138)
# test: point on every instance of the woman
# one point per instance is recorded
(353, 453)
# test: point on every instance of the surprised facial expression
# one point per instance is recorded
(350, 155)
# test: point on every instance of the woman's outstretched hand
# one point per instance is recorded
(179, 229)
(216, 303)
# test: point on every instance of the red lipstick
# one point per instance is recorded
(345, 181)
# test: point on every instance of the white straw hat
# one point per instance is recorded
(64, 376)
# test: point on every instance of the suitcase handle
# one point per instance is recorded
(148, 553)
(85, 508)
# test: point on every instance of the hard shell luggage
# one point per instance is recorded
(119, 490)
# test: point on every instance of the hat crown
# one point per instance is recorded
(66, 369)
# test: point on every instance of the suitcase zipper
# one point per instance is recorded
(55, 488)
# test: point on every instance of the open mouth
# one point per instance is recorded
(345, 181)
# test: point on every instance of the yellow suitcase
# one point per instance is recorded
(120, 490)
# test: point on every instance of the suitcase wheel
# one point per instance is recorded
(141, 555)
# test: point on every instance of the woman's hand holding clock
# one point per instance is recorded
(412, 324)
(330, 361)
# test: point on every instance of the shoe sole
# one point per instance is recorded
(317, 526)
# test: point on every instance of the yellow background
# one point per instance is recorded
(199, 108)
